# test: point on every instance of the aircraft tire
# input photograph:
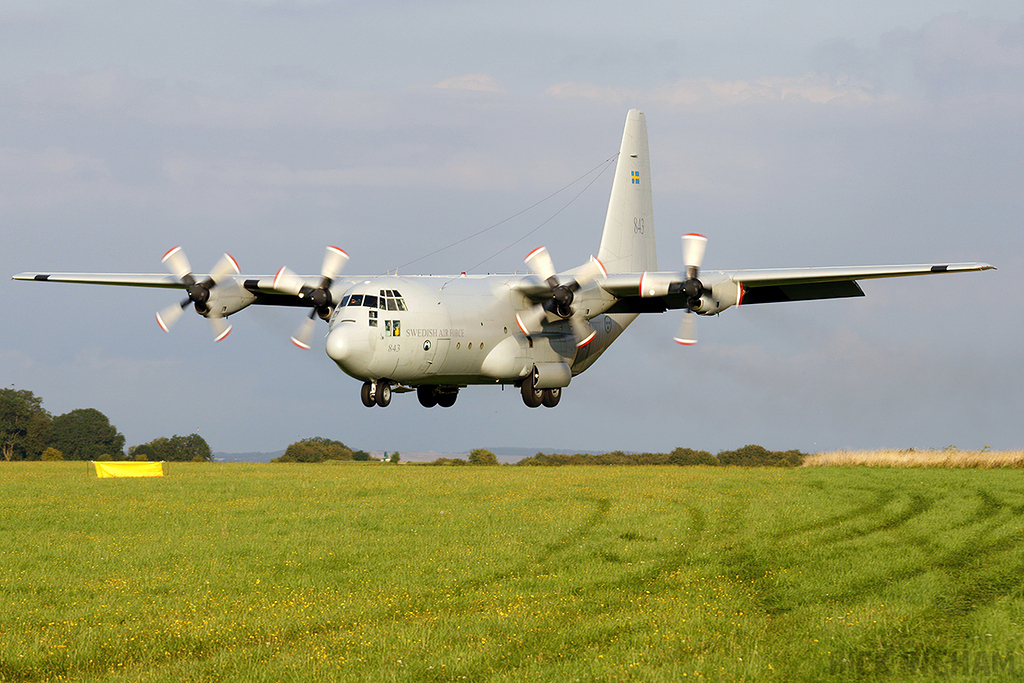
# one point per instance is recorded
(367, 395)
(447, 398)
(532, 396)
(427, 395)
(551, 397)
(383, 397)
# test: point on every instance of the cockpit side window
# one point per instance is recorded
(344, 302)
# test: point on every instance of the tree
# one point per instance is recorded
(394, 458)
(23, 424)
(177, 448)
(85, 434)
(316, 449)
(482, 456)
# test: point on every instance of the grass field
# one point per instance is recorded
(389, 573)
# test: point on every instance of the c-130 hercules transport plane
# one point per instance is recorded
(436, 335)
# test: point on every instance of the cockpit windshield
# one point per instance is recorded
(389, 300)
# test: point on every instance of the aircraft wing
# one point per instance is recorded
(803, 284)
(123, 279)
(259, 286)
(764, 285)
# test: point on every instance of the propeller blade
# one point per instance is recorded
(539, 261)
(177, 263)
(693, 251)
(584, 331)
(531, 320)
(304, 334)
(590, 272)
(221, 328)
(687, 334)
(288, 282)
(166, 317)
(227, 265)
(334, 261)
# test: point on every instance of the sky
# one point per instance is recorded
(792, 134)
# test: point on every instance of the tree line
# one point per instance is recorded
(29, 432)
(748, 456)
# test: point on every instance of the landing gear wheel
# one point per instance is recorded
(447, 398)
(551, 397)
(532, 396)
(383, 394)
(367, 395)
(427, 395)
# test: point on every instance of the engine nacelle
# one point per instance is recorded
(723, 294)
(226, 298)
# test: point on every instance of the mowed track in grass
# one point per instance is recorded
(400, 573)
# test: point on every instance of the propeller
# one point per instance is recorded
(198, 292)
(319, 297)
(562, 294)
(693, 255)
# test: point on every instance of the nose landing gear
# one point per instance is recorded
(376, 394)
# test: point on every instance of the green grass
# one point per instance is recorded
(389, 573)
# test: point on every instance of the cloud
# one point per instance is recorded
(706, 94)
(953, 56)
(474, 82)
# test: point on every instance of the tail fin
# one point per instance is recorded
(627, 244)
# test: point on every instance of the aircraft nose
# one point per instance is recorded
(339, 343)
(347, 345)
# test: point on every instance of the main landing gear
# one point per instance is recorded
(431, 396)
(534, 397)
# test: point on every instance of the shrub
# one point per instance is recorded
(758, 456)
(51, 454)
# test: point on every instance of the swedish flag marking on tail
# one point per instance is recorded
(636, 177)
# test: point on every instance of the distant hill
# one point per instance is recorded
(246, 457)
(507, 454)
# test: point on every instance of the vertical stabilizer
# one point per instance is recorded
(627, 244)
